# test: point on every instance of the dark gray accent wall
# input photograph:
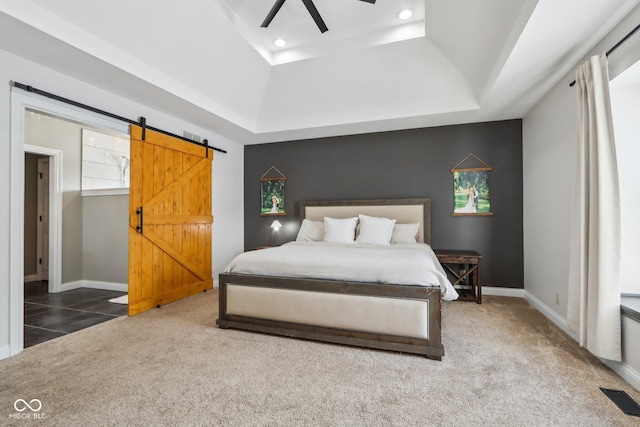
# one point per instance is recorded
(407, 163)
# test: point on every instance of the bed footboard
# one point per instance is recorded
(387, 317)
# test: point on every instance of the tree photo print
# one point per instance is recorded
(272, 197)
(471, 193)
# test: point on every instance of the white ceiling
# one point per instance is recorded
(354, 24)
(209, 62)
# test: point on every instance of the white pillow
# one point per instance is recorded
(310, 231)
(405, 233)
(339, 230)
(374, 230)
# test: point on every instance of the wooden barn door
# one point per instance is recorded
(170, 220)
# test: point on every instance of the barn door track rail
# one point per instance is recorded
(142, 122)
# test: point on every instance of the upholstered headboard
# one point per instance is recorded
(402, 210)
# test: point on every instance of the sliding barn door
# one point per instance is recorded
(170, 220)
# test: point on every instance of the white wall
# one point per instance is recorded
(549, 138)
(548, 145)
(227, 168)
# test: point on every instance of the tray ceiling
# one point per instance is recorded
(211, 64)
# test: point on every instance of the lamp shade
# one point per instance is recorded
(276, 225)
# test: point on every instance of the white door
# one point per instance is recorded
(43, 218)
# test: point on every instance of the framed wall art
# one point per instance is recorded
(471, 194)
(272, 192)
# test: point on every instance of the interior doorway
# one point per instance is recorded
(52, 310)
(42, 219)
(42, 216)
(36, 217)
(21, 105)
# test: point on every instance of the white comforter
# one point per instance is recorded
(401, 264)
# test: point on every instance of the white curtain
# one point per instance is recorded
(594, 271)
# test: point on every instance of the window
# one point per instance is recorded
(105, 161)
(625, 106)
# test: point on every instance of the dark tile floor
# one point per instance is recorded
(48, 316)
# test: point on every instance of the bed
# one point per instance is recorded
(258, 291)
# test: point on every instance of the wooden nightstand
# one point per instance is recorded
(464, 267)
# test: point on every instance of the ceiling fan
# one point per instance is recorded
(310, 7)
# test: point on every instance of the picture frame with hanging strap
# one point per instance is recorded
(272, 193)
(471, 188)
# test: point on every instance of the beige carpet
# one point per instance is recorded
(505, 365)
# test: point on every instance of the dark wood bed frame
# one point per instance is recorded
(431, 347)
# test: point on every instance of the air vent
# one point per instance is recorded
(623, 401)
(191, 136)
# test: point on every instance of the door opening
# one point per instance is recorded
(20, 104)
(42, 261)
(36, 220)
(45, 221)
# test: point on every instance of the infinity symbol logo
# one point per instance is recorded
(26, 405)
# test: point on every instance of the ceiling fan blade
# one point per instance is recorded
(315, 15)
(274, 10)
(370, 1)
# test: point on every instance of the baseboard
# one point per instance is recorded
(94, 284)
(503, 292)
(71, 285)
(31, 278)
(550, 314)
(109, 286)
(5, 352)
(623, 370)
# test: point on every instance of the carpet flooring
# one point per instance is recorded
(504, 365)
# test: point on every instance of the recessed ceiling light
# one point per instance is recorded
(404, 14)
(280, 42)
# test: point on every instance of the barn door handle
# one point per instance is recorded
(140, 220)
